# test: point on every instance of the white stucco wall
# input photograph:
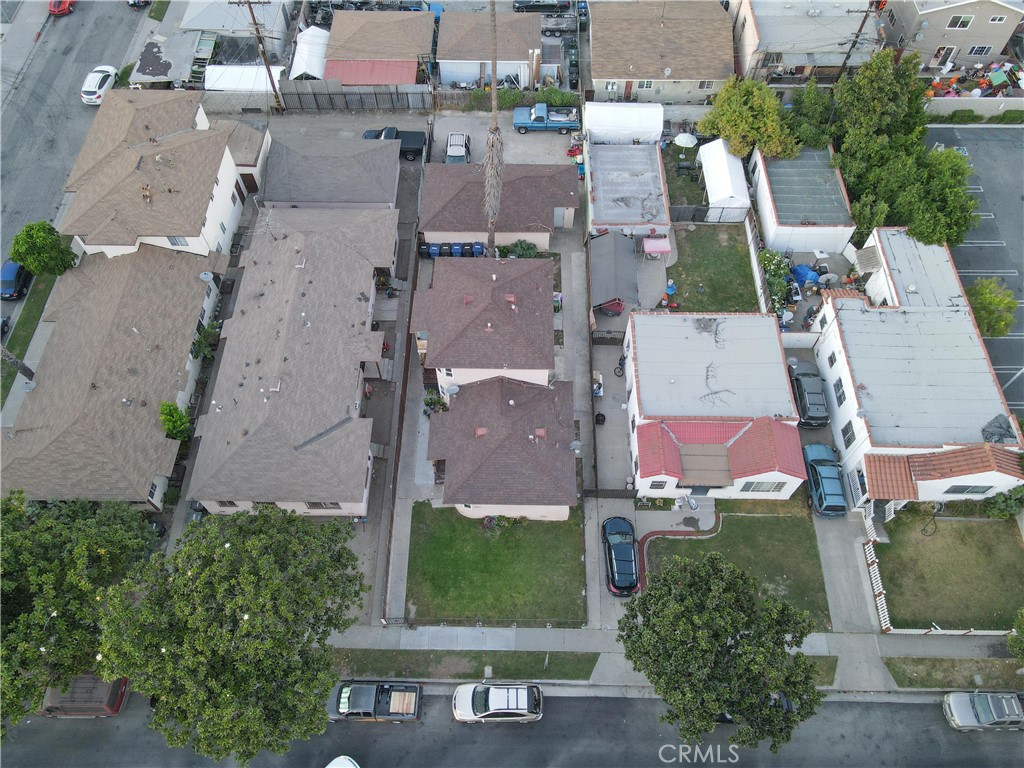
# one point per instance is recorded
(541, 239)
(451, 70)
(660, 92)
(531, 512)
(463, 376)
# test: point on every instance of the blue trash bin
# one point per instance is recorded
(478, 249)
(456, 249)
(435, 250)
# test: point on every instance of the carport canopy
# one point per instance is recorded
(657, 245)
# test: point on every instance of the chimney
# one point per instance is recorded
(467, 300)
(480, 432)
(540, 433)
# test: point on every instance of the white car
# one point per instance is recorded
(498, 703)
(97, 83)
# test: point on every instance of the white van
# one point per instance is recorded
(458, 148)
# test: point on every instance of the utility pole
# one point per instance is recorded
(258, 31)
(874, 5)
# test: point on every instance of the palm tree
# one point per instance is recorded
(493, 158)
(11, 359)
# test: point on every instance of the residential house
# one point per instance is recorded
(233, 23)
(506, 447)
(951, 34)
(321, 169)
(784, 44)
(485, 318)
(801, 202)
(535, 200)
(379, 48)
(464, 48)
(668, 52)
(154, 170)
(917, 411)
(710, 408)
(120, 335)
(285, 422)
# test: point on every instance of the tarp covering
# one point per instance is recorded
(657, 245)
(249, 78)
(616, 123)
(310, 57)
(723, 176)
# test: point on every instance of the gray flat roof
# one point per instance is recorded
(710, 365)
(920, 374)
(806, 190)
(923, 275)
(628, 182)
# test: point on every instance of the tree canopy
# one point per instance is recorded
(230, 633)
(39, 248)
(993, 305)
(747, 113)
(810, 115)
(55, 563)
(710, 643)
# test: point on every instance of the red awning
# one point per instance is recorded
(657, 245)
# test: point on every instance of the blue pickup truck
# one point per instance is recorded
(541, 117)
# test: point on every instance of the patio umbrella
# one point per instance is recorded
(685, 140)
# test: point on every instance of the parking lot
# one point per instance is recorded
(535, 147)
(993, 247)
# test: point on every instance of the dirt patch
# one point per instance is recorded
(448, 667)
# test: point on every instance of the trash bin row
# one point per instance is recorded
(433, 250)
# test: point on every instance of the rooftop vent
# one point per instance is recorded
(467, 300)
(480, 432)
(540, 433)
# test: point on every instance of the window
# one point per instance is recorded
(180, 242)
(892, 17)
(219, 249)
(822, 323)
(322, 505)
(211, 197)
(902, 41)
(979, 50)
(848, 434)
(959, 22)
(223, 229)
(632, 423)
(203, 225)
(216, 181)
(706, 85)
(762, 487)
(832, 360)
(965, 490)
(226, 504)
(997, 20)
(152, 491)
(771, 60)
(840, 394)
(202, 314)
(636, 464)
(644, 85)
(234, 199)
(657, 485)
(209, 290)
(611, 85)
(447, 373)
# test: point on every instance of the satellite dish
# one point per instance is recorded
(925, 24)
(206, 276)
(668, 71)
(918, 37)
(576, 446)
(453, 390)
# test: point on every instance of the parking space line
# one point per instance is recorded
(1009, 337)
(994, 272)
(1014, 378)
(985, 215)
(983, 243)
(974, 188)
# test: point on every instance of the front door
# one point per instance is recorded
(943, 56)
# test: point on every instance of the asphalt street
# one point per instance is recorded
(993, 248)
(589, 732)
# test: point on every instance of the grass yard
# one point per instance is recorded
(158, 9)
(681, 191)
(966, 575)
(782, 552)
(795, 505)
(996, 674)
(826, 670)
(530, 573)
(714, 256)
(21, 334)
(463, 665)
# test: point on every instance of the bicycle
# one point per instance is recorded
(620, 369)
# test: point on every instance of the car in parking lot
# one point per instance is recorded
(62, 7)
(619, 539)
(97, 83)
(809, 391)
(457, 150)
(498, 703)
(14, 280)
(824, 481)
(196, 513)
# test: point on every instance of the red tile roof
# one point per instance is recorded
(767, 446)
(973, 459)
(842, 293)
(889, 477)
(659, 453)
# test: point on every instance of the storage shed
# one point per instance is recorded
(727, 196)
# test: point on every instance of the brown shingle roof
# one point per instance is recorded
(244, 141)
(639, 40)
(287, 427)
(982, 457)
(497, 453)
(467, 36)
(470, 319)
(122, 330)
(453, 197)
(889, 477)
(362, 36)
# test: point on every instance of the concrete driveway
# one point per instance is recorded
(536, 147)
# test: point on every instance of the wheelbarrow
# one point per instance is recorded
(611, 308)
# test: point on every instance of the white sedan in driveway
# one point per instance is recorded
(97, 83)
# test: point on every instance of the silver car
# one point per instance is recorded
(498, 703)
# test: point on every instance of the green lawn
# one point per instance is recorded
(158, 9)
(714, 256)
(794, 505)
(826, 670)
(999, 674)
(463, 665)
(965, 575)
(18, 340)
(681, 191)
(530, 573)
(782, 552)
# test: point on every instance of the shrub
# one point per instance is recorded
(993, 305)
(176, 423)
(523, 249)
(202, 345)
(958, 117)
(1003, 506)
(171, 496)
(776, 271)
(1010, 116)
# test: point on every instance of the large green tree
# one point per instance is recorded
(230, 633)
(55, 563)
(710, 642)
(809, 118)
(993, 305)
(39, 248)
(747, 113)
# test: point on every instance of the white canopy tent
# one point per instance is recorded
(723, 177)
(615, 123)
(310, 59)
(249, 78)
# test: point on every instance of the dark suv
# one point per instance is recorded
(541, 6)
(14, 280)
(824, 481)
(809, 391)
(619, 540)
